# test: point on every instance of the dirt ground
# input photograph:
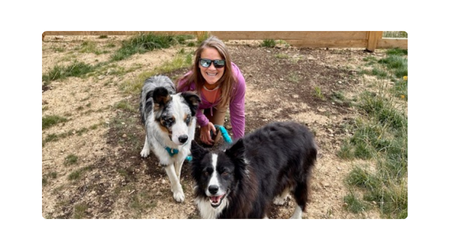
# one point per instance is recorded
(109, 178)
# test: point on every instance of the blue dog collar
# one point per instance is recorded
(171, 151)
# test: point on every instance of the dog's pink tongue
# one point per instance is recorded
(215, 199)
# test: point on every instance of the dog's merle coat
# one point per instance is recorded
(169, 121)
(259, 169)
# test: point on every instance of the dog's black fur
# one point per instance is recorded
(275, 158)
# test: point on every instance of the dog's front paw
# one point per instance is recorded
(145, 152)
(178, 196)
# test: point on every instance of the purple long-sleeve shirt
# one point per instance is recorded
(237, 103)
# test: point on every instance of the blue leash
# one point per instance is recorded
(225, 135)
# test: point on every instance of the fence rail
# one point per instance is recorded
(369, 40)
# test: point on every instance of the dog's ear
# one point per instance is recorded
(237, 155)
(160, 97)
(237, 151)
(197, 151)
(193, 101)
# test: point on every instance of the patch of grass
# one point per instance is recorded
(75, 175)
(360, 177)
(55, 137)
(362, 151)
(397, 52)
(79, 210)
(346, 151)
(145, 42)
(359, 146)
(371, 60)
(114, 69)
(50, 138)
(110, 45)
(354, 204)
(385, 191)
(381, 138)
(137, 44)
(339, 98)
(58, 49)
(181, 60)
(384, 133)
(202, 37)
(76, 69)
(45, 177)
(296, 58)
(383, 110)
(397, 64)
(82, 131)
(318, 93)
(293, 77)
(282, 56)
(70, 160)
(400, 89)
(376, 71)
(88, 47)
(51, 120)
(399, 34)
(125, 105)
(268, 43)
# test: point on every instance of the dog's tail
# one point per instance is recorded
(311, 155)
(301, 191)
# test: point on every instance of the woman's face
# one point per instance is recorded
(211, 74)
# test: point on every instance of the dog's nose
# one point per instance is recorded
(183, 138)
(213, 189)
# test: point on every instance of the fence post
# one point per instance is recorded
(372, 40)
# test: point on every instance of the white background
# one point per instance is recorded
(22, 224)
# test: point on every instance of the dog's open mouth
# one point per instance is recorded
(216, 200)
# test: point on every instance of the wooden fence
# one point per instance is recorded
(369, 40)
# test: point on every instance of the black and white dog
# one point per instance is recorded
(260, 169)
(169, 121)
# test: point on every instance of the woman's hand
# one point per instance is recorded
(205, 134)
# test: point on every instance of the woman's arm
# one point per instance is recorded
(237, 105)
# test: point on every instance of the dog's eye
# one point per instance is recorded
(167, 121)
(188, 119)
(206, 173)
(225, 174)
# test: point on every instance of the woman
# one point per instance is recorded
(220, 84)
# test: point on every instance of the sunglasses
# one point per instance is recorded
(207, 62)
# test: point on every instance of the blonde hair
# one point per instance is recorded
(227, 80)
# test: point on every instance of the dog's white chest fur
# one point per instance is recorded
(207, 211)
